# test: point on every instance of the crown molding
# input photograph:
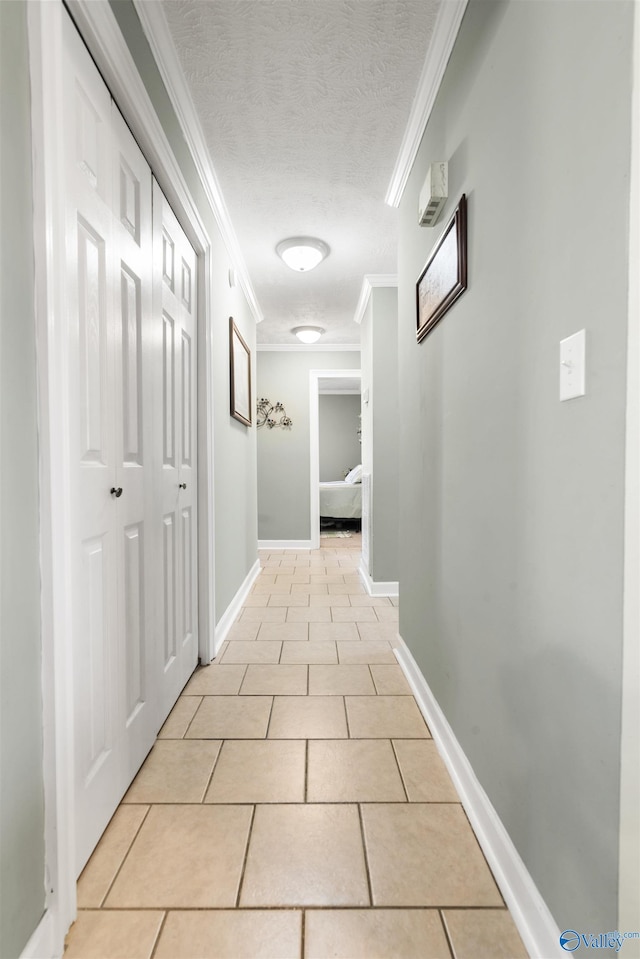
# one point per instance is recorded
(156, 29)
(369, 282)
(444, 36)
(307, 347)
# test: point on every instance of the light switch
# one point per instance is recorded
(572, 362)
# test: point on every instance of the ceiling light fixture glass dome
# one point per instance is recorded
(308, 334)
(302, 253)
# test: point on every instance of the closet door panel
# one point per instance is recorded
(175, 309)
(168, 391)
(137, 563)
(94, 700)
(188, 472)
(136, 657)
(169, 583)
(98, 701)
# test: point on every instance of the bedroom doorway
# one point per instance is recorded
(334, 408)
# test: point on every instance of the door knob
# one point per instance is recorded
(116, 492)
(182, 485)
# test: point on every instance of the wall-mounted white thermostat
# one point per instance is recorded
(434, 193)
(572, 363)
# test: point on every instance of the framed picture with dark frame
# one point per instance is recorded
(239, 375)
(444, 277)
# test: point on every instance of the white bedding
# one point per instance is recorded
(341, 500)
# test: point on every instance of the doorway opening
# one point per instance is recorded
(336, 459)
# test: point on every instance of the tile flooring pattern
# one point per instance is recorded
(294, 804)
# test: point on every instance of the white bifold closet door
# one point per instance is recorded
(132, 412)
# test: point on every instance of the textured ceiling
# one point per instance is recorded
(303, 104)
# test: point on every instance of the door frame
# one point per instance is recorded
(629, 834)
(106, 44)
(314, 445)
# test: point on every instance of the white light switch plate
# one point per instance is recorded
(572, 363)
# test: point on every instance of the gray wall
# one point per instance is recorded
(283, 455)
(234, 444)
(381, 428)
(339, 417)
(21, 782)
(511, 514)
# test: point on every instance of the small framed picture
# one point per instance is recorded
(444, 277)
(239, 375)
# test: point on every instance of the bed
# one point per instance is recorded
(341, 500)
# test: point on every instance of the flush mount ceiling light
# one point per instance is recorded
(308, 334)
(302, 253)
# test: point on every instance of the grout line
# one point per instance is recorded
(195, 713)
(217, 760)
(266, 735)
(481, 850)
(246, 856)
(319, 802)
(306, 770)
(366, 858)
(157, 939)
(373, 679)
(346, 716)
(297, 906)
(126, 855)
(303, 930)
(395, 755)
(446, 934)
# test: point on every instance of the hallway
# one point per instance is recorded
(293, 787)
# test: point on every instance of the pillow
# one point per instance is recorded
(355, 476)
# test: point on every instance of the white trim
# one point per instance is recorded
(629, 838)
(206, 473)
(232, 611)
(99, 29)
(314, 458)
(314, 445)
(370, 281)
(376, 589)
(286, 544)
(43, 944)
(340, 392)
(307, 347)
(47, 93)
(442, 41)
(157, 31)
(530, 913)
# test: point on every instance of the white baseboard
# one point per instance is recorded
(285, 544)
(530, 913)
(232, 611)
(42, 944)
(376, 589)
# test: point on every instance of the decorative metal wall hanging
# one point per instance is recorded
(269, 412)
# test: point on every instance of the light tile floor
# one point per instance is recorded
(294, 804)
